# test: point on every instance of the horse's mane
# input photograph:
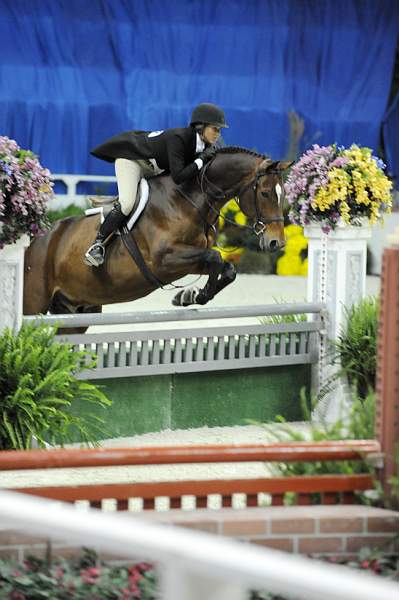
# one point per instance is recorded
(236, 149)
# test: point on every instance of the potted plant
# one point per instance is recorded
(332, 186)
(38, 388)
(25, 188)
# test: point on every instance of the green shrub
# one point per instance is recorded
(357, 345)
(38, 385)
(359, 425)
(70, 211)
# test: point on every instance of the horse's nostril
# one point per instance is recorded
(273, 245)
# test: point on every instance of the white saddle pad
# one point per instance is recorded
(143, 194)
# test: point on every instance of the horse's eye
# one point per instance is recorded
(265, 194)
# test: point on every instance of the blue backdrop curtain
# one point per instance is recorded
(74, 72)
(391, 139)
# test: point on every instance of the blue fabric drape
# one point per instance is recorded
(391, 140)
(74, 72)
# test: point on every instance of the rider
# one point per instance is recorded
(182, 152)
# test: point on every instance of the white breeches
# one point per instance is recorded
(128, 174)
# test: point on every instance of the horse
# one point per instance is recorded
(175, 235)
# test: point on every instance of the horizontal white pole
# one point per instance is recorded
(184, 314)
(194, 552)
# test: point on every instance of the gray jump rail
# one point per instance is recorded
(194, 349)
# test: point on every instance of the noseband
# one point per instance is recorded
(260, 225)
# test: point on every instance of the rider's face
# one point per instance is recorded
(210, 133)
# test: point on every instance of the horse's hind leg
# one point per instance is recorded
(37, 297)
(60, 305)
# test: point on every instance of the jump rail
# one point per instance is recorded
(333, 489)
(191, 349)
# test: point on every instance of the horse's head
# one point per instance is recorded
(258, 183)
(262, 200)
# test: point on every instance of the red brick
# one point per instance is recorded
(9, 553)
(341, 525)
(319, 545)
(354, 544)
(209, 526)
(285, 544)
(237, 528)
(14, 538)
(293, 526)
(382, 524)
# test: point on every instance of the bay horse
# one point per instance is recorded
(175, 234)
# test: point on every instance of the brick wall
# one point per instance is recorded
(316, 530)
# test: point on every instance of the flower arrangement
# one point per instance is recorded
(82, 579)
(331, 184)
(294, 260)
(25, 188)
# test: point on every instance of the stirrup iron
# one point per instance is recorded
(98, 259)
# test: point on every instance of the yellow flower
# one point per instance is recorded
(240, 218)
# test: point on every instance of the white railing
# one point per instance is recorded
(71, 182)
(193, 565)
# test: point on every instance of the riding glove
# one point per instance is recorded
(207, 154)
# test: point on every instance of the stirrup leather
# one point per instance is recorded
(95, 255)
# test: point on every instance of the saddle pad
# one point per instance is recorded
(142, 195)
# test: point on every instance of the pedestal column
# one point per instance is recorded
(336, 277)
(11, 283)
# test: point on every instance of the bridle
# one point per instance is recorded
(218, 194)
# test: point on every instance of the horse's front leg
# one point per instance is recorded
(197, 261)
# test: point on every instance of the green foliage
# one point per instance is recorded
(359, 425)
(277, 319)
(38, 385)
(357, 345)
(70, 211)
(83, 579)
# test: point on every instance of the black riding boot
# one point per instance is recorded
(95, 255)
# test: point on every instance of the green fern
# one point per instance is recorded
(357, 345)
(360, 425)
(38, 386)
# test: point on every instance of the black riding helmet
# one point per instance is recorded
(209, 114)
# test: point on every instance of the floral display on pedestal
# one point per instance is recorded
(331, 184)
(25, 188)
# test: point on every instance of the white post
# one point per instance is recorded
(11, 283)
(337, 277)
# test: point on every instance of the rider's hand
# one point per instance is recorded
(207, 154)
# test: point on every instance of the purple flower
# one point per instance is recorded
(25, 188)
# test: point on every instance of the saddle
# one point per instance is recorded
(104, 204)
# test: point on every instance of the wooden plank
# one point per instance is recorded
(276, 485)
(220, 348)
(133, 355)
(232, 346)
(199, 351)
(212, 453)
(122, 354)
(188, 350)
(167, 354)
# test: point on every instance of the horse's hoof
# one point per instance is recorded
(201, 298)
(186, 297)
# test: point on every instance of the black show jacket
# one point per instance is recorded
(172, 149)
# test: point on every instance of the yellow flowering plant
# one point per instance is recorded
(294, 260)
(331, 184)
(230, 214)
